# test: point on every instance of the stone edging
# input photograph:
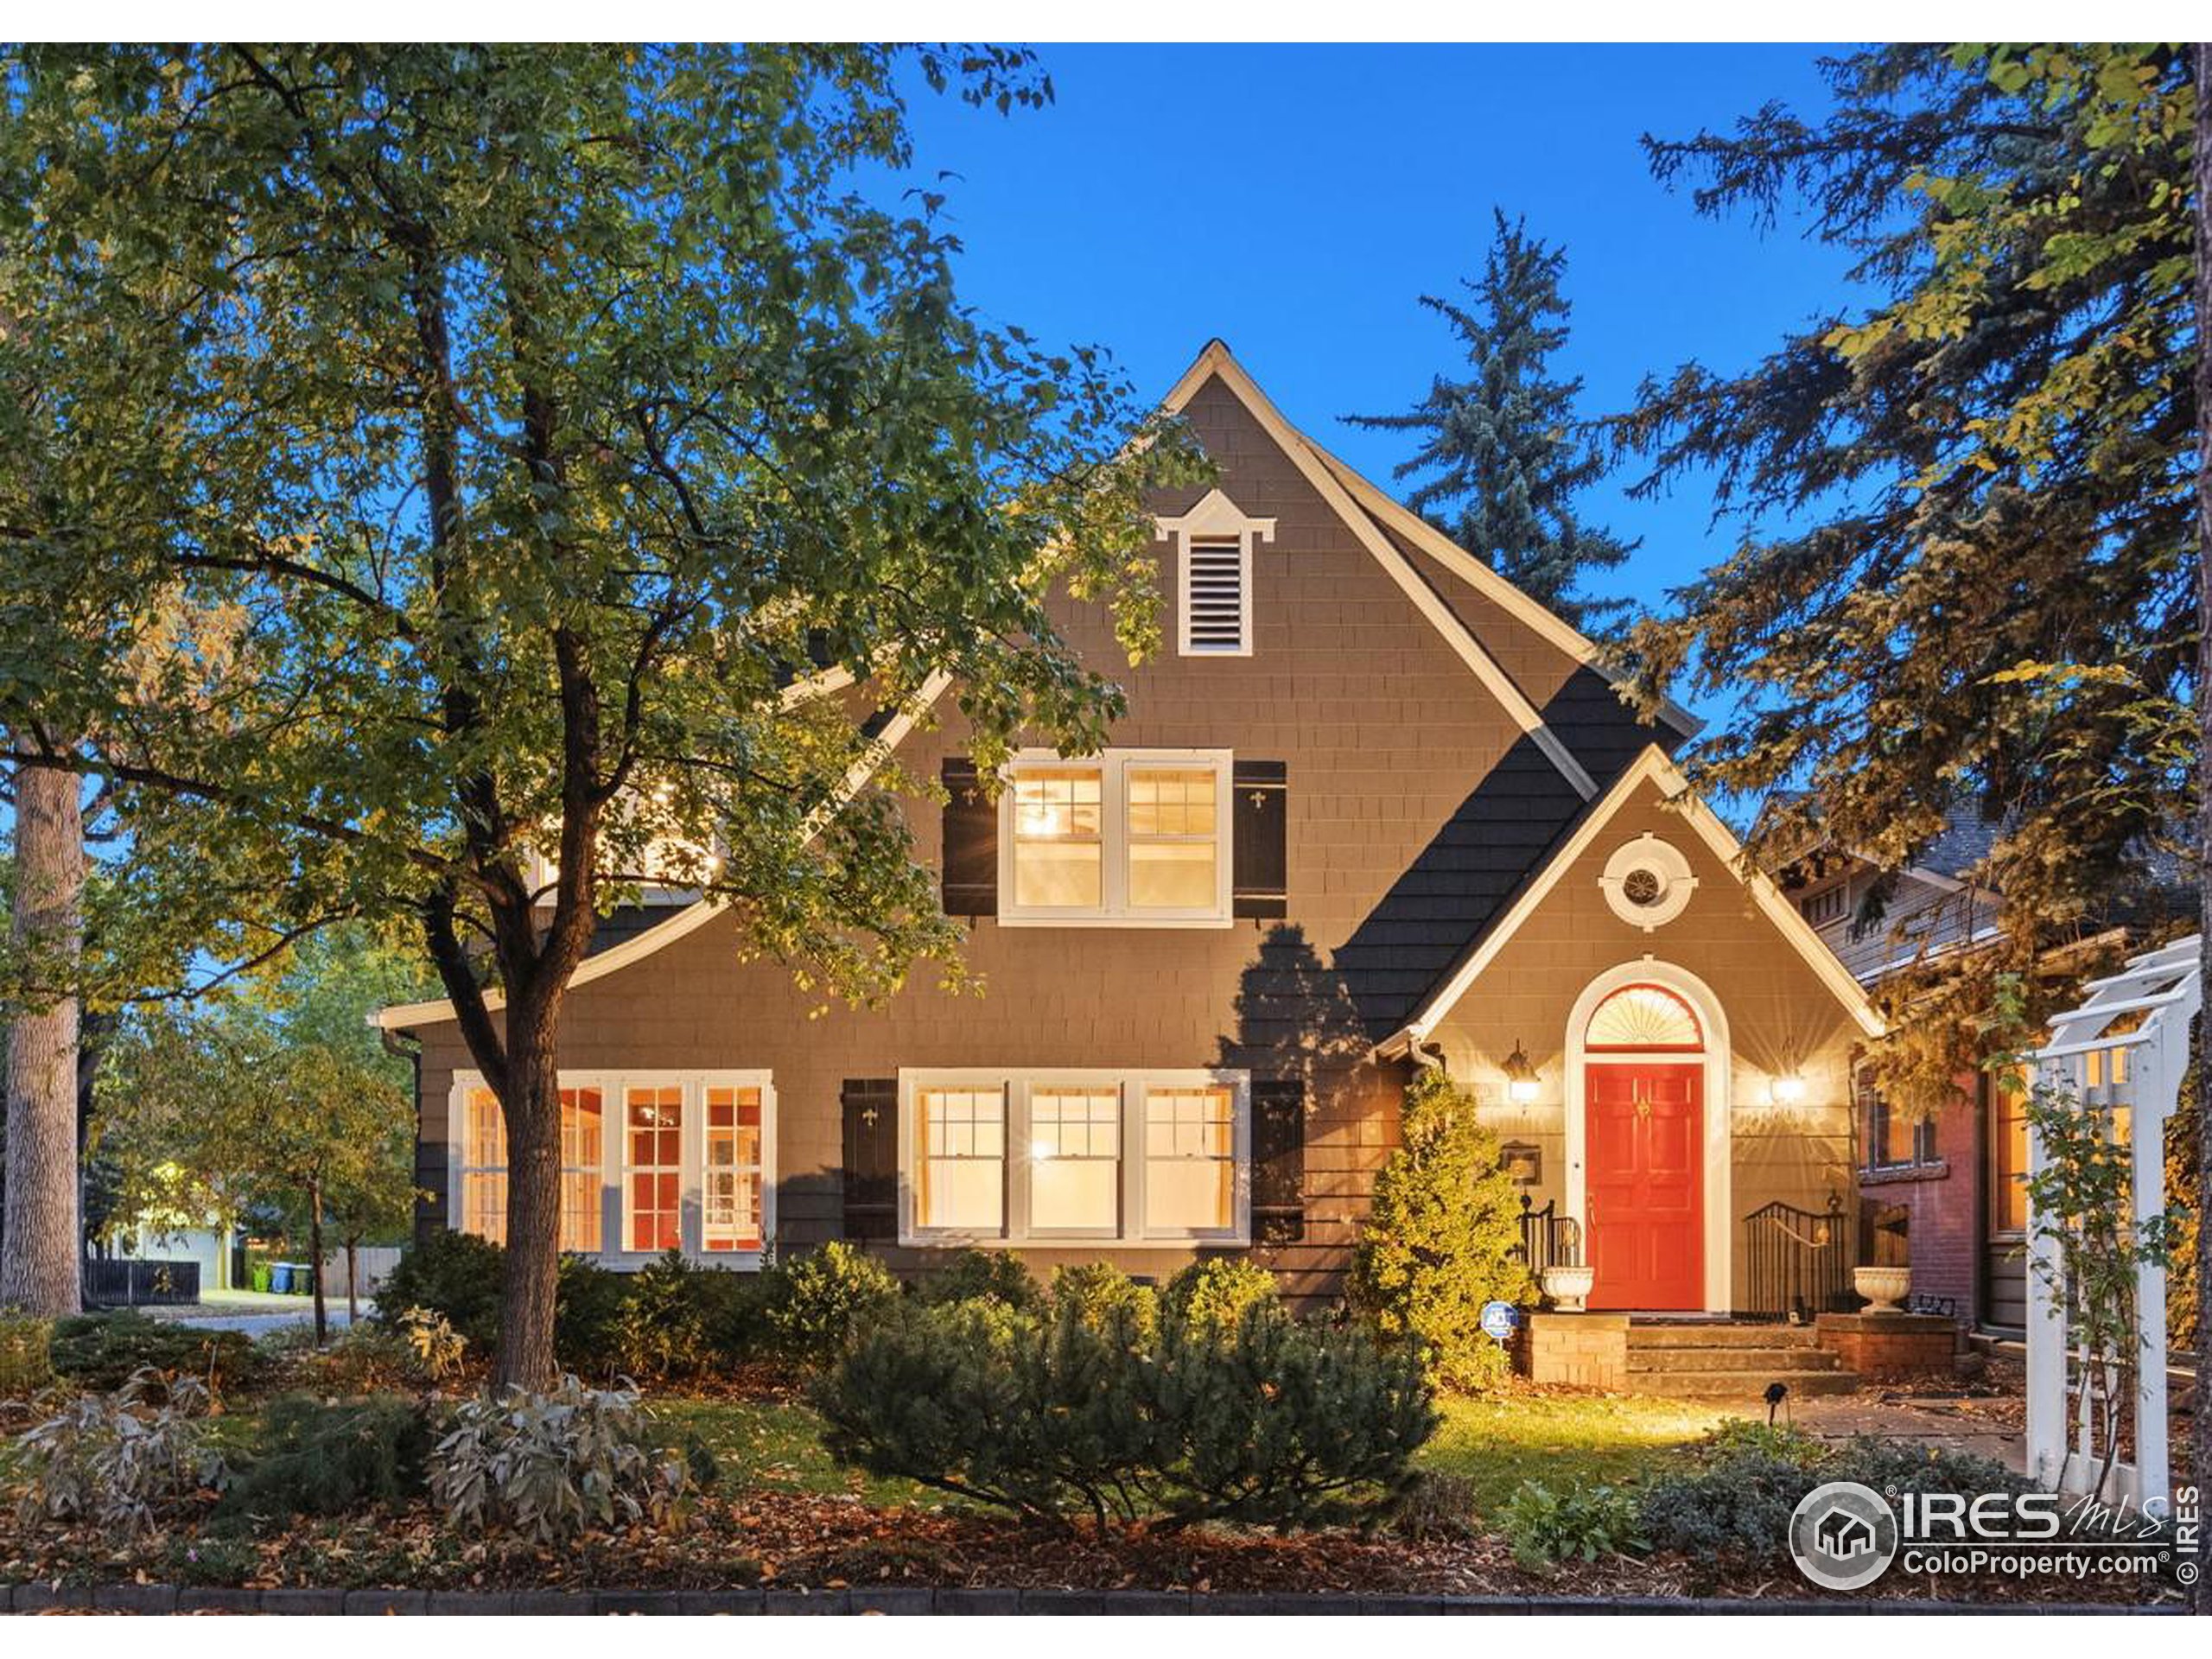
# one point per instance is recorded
(172, 1598)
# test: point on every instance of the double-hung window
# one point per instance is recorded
(1131, 838)
(484, 1166)
(1054, 1154)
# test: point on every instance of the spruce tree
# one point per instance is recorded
(1440, 1240)
(1502, 455)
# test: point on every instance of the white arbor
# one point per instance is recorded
(2132, 1075)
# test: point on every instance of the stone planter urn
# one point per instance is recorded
(1883, 1288)
(1566, 1287)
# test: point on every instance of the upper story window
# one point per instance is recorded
(1133, 837)
(1826, 906)
(1214, 543)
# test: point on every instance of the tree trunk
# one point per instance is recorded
(315, 1262)
(2201, 1439)
(41, 1245)
(530, 1103)
(352, 1280)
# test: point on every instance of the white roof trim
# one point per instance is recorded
(1654, 767)
(1215, 360)
(693, 917)
(1479, 576)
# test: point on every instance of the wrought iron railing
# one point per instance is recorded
(1798, 1262)
(130, 1282)
(1547, 1238)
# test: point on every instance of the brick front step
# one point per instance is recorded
(1732, 1359)
(1657, 1333)
(1745, 1388)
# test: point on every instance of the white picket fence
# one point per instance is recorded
(2138, 1072)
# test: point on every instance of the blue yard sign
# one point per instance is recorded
(1499, 1319)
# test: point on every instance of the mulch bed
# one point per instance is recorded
(792, 1542)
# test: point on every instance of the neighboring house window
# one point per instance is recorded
(2008, 1154)
(1105, 1155)
(652, 1193)
(698, 1144)
(1133, 838)
(1825, 907)
(1893, 1140)
(1214, 547)
(730, 1180)
(484, 1166)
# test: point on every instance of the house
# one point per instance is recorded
(1946, 1192)
(1843, 1535)
(1371, 808)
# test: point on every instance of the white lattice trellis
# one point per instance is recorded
(2135, 1074)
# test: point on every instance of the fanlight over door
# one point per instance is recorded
(1644, 1019)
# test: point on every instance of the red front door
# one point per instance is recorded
(1645, 1159)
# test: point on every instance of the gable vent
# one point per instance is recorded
(1214, 595)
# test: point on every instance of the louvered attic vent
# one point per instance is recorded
(1215, 597)
(1214, 547)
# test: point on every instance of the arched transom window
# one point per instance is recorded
(1644, 1017)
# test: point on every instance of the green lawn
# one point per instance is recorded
(1561, 1440)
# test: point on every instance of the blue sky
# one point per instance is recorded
(1297, 201)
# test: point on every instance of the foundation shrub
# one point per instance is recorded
(989, 1275)
(1214, 1295)
(816, 1302)
(1096, 1291)
(660, 1330)
(453, 1273)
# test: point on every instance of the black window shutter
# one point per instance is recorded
(1278, 1160)
(1258, 822)
(871, 1157)
(972, 844)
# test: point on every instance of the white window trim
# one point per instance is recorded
(1114, 841)
(1216, 518)
(615, 1152)
(1016, 1084)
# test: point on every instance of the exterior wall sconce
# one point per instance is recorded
(1522, 1085)
(1788, 1089)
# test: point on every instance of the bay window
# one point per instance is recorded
(650, 1161)
(1053, 1154)
(1133, 837)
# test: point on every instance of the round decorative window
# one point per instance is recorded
(1647, 882)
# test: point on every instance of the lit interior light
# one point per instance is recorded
(1788, 1091)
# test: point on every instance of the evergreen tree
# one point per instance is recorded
(1440, 1239)
(1501, 455)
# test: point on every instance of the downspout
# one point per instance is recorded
(402, 1045)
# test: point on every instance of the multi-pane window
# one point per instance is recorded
(583, 1166)
(1135, 837)
(730, 1176)
(2008, 1152)
(1075, 1159)
(1060, 853)
(483, 1167)
(653, 1154)
(962, 1174)
(1189, 1159)
(1049, 1156)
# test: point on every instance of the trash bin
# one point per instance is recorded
(280, 1278)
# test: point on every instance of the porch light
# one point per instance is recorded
(1522, 1085)
(1788, 1090)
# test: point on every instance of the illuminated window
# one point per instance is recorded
(1075, 1159)
(730, 1181)
(962, 1137)
(1190, 1159)
(484, 1166)
(1135, 838)
(1644, 1017)
(2008, 1150)
(653, 1190)
(583, 1166)
(1058, 850)
(1048, 1156)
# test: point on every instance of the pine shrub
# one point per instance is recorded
(986, 1275)
(1096, 1291)
(1441, 1237)
(1215, 1295)
(316, 1456)
(102, 1352)
(1090, 1408)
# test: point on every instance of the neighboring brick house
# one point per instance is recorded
(1370, 809)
